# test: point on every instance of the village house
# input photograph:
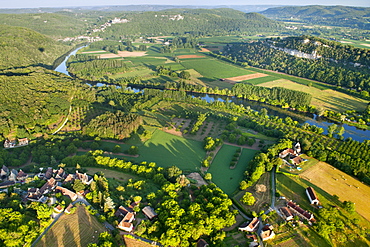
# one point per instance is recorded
(251, 226)
(312, 196)
(252, 237)
(58, 209)
(287, 215)
(9, 143)
(299, 211)
(60, 174)
(267, 233)
(23, 141)
(49, 173)
(66, 192)
(13, 175)
(127, 215)
(149, 212)
(21, 176)
(4, 172)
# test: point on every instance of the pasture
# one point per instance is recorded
(213, 69)
(224, 177)
(75, 230)
(328, 99)
(336, 182)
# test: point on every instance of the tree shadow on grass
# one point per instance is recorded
(68, 237)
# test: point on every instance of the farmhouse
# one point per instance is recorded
(297, 160)
(149, 212)
(85, 179)
(251, 226)
(267, 233)
(286, 152)
(126, 226)
(9, 143)
(286, 213)
(127, 215)
(312, 196)
(299, 211)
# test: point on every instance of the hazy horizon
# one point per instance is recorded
(16, 4)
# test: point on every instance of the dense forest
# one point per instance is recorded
(56, 25)
(118, 125)
(197, 22)
(95, 69)
(354, 17)
(261, 54)
(282, 95)
(23, 47)
(34, 99)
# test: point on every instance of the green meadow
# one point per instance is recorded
(224, 177)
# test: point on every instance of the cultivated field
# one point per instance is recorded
(246, 77)
(75, 230)
(336, 182)
(189, 56)
(213, 69)
(224, 177)
(130, 242)
(328, 99)
(124, 54)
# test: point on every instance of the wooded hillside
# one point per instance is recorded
(23, 47)
(355, 17)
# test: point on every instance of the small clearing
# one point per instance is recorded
(196, 176)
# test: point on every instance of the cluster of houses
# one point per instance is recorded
(293, 209)
(10, 177)
(55, 179)
(127, 214)
(16, 143)
(109, 23)
(292, 155)
(252, 226)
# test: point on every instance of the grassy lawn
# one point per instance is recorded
(260, 80)
(214, 69)
(261, 197)
(328, 99)
(72, 230)
(167, 150)
(357, 43)
(305, 165)
(224, 177)
(108, 173)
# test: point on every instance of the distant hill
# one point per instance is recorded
(356, 17)
(221, 21)
(55, 25)
(21, 46)
(144, 7)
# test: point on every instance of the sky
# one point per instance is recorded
(70, 3)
